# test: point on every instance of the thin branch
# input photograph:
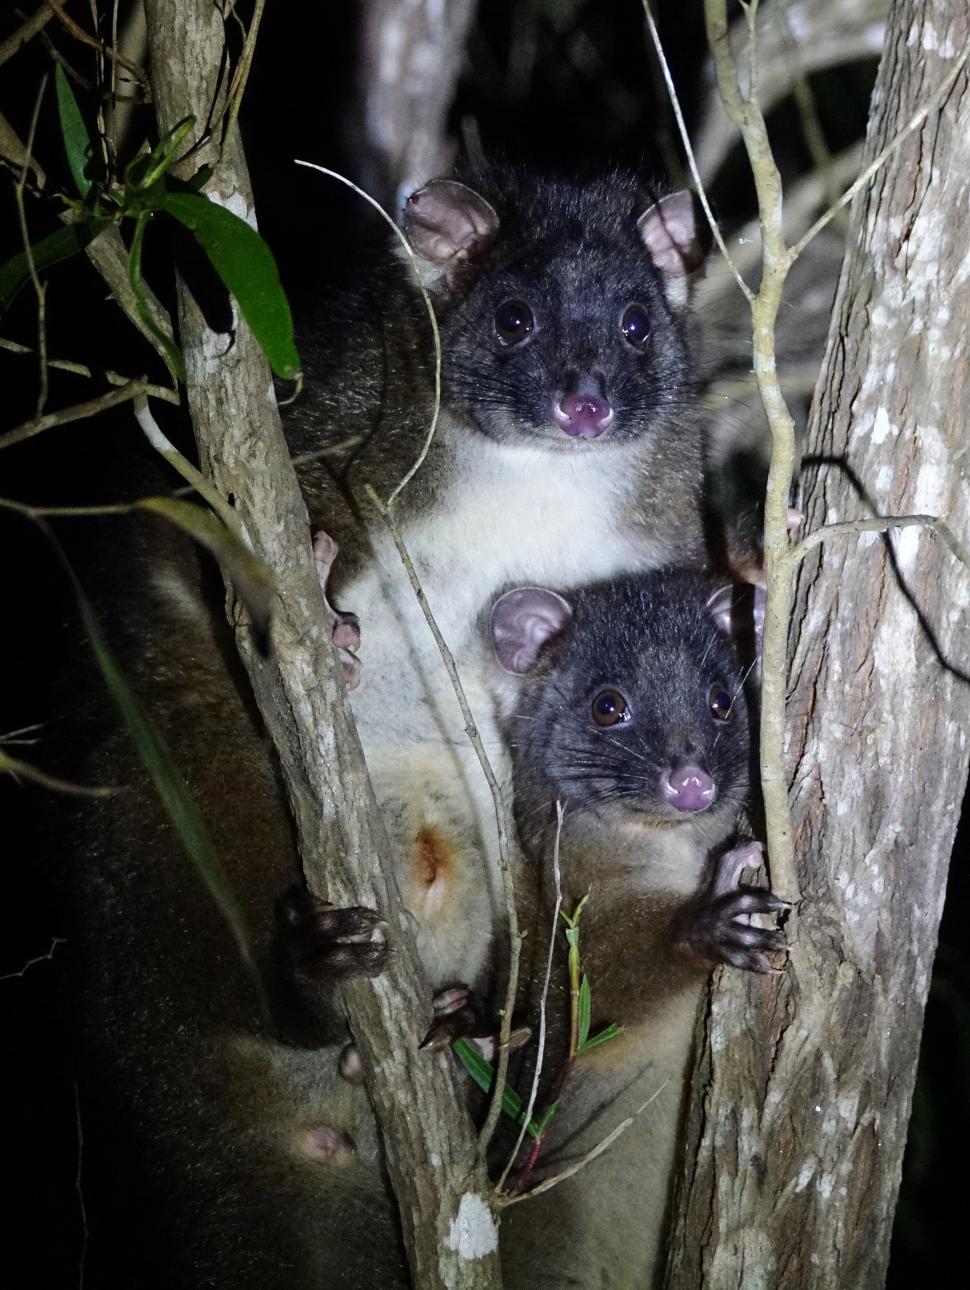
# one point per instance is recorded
(18, 770)
(882, 524)
(25, 32)
(181, 464)
(934, 102)
(688, 149)
(39, 958)
(501, 819)
(80, 34)
(77, 412)
(39, 290)
(81, 369)
(237, 86)
(426, 446)
(548, 1183)
(541, 1048)
(65, 512)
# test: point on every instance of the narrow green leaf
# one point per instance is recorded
(585, 1004)
(543, 1122)
(250, 576)
(155, 757)
(245, 264)
(483, 1073)
(172, 352)
(602, 1037)
(77, 141)
(49, 250)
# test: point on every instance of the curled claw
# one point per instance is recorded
(721, 923)
(457, 1014)
(346, 627)
(325, 943)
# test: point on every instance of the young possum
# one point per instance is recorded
(625, 703)
(565, 452)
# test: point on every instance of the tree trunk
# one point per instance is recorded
(440, 1184)
(803, 1088)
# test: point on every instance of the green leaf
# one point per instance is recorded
(585, 1004)
(543, 1122)
(602, 1037)
(49, 250)
(77, 141)
(157, 760)
(483, 1073)
(173, 354)
(245, 264)
(145, 171)
(250, 576)
(481, 1070)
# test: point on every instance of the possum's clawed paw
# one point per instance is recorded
(457, 1015)
(324, 943)
(346, 628)
(721, 924)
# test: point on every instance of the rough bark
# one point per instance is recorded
(441, 1187)
(803, 1089)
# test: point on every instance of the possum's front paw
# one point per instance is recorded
(325, 945)
(720, 924)
(457, 1015)
(346, 628)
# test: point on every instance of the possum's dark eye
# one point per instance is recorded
(635, 325)
(513, 322)
(719, 702)
(610, 708)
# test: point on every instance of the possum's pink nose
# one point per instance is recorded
(583, 416)
(688, 788)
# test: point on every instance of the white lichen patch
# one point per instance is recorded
(237, 204)
(473, 1233)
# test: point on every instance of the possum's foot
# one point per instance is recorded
(325, 944)
(458, 1014)
(346, 628)
(721, 924)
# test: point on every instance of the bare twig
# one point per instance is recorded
(181, 464)
(77, 412)
(81, 369)
(82, 1208)
(548, 1183)
(64, 512)
(39, 958)
(27, 30)
(541, 1046)
(237, 86)
(39, 291)
(882, 524)
(916, 120)
(501, 818)
(685, 139)
(433, 425)
(17, 770)
(92, 42)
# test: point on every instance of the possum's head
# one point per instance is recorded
(627, 700)
(563, 303)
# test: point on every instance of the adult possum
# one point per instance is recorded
(566, 451)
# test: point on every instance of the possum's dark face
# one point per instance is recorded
(633, 708)
(570, 333)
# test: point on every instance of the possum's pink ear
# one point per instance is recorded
(445, 221)
(522, 622)
(722, 604)
(670, 233)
